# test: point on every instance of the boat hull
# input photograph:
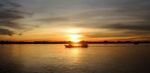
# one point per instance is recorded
(67, 46)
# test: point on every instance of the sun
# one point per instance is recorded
(75, 38)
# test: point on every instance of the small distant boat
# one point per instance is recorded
(67, 46)
(80, 45)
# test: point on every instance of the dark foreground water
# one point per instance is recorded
(58, 59)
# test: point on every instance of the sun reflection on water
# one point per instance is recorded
(75, 55)
(75, 52)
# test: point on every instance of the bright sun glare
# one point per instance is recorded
(75, 37)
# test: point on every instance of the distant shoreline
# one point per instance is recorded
(66, 42)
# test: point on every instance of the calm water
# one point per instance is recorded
(58, 59)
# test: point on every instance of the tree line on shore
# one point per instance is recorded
(66, 42)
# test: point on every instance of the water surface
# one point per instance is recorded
(58, 59)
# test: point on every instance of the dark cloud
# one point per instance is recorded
(6, 32)
(134, 26)
(127, 11)
(125, 30)
(9, 13)
(10, 24)
(136, 8)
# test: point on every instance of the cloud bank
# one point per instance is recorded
(129, 17)
(9, 13)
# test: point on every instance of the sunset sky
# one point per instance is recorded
(61, 20)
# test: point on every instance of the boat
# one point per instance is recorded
(79, 45)
(71, 46)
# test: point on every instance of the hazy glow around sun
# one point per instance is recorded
(75, 37)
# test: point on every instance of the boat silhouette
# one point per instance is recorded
(77, 45)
